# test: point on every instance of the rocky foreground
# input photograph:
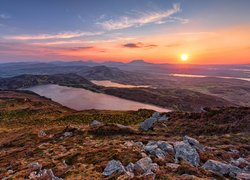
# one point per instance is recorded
(40, 139)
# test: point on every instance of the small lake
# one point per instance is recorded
(117, 85)
(202, 76)
(82, 99)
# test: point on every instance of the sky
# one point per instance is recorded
(158, 31)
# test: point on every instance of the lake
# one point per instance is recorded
(82, 99)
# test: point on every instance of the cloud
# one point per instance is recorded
(64, 35)
(4, 16)
(146, 18)
(173, 20)
(139, 45)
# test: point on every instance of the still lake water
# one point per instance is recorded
(107, 83)
(82, 99)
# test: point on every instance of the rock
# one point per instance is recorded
(221, 168)
(42, 134)
(164, 118)
(154, 167)
(144, 165)
(130, 167)
(158, 153)
(193, 142)
(243, 176)
(240, 161)
(172, 165)
(44, 174)
(148, 124)
(156, 115)
(149, 175)
(67, 134)
(150, 147)
(129, 143)
(165, 146)
(112, 167)
(96, 123)
(34, 166)
(186, 152)
(140, 144)
(10, 172)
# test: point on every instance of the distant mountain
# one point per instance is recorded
(24, 81)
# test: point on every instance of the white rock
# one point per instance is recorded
(186, 152)
(112, 167)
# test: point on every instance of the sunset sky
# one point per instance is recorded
(159, 31)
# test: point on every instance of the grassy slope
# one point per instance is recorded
(88, 153)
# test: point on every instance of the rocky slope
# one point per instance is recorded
(40, 139)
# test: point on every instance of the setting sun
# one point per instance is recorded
(184, 57)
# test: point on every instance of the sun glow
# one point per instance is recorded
(184, 57)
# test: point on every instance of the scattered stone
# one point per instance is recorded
(164, 118)
(193, 142)
(67, 134)
(130, 167)
(148, 124)
(186, 152)
(172, 165)
(140, 144)
(221, 168)
(44, 174)
(129, 143)
(95, 124)
(243, 176)
(240, 161)
(10, 172)
(112, 167)
(150, 147)
(149, 175)
(158, 153)
(145, 164)
(42, 134)
(35, 166)
(165, 146)
(156, 115)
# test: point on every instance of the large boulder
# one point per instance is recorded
(163, 118)
(186, 152)
(130, 167)
(165, 146)
(144, 165)
(148, 124)
(193, 142)
(221, 168)
(112, 167)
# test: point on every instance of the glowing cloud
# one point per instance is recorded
(146, 18)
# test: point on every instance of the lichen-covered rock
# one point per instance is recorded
(96, 123)
(144, 165)
(34, 166)
(149, 175)
(165, 146)
(193, 142)
(163, 118)
(130, 167)
(148, 124)
(156, 115)
(186, 152)
(158, 153)
(43, 174)
(112, 167)
(221, 168)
